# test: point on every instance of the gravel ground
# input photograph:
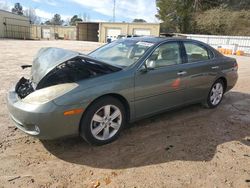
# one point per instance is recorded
(190, 147)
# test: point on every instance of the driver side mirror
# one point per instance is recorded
(147, 66)
(144, 68)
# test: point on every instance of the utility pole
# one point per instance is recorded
(114, 11)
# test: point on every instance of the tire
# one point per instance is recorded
(99, 128)
(215, 95)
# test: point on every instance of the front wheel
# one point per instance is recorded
(103, 121)
(215, 95)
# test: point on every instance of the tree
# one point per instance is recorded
(176, 13)
(47, 22)
(75, 19)
(235, 5)
(18, 9)
(56, 20)
(221, 21)
(139, 20)
(179, 14)
(31, 13)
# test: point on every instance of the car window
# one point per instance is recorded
(196, 52)
(165, 55)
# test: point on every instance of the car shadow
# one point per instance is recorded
(189, 134)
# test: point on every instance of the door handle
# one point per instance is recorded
(181, 73)
(215, 67)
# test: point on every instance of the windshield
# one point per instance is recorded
(122, 52)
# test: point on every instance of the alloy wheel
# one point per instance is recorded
(106, 122)
(216, 93)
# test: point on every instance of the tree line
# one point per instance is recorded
(55, 20)
(225, 17)
(222, 17)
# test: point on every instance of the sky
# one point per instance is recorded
(96, 10)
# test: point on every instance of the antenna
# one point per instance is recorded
(114, 11)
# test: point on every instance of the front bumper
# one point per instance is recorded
(44, 121)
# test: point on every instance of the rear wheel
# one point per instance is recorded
(103, 121)
(215, 95)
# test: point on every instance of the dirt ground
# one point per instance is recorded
(191, 147)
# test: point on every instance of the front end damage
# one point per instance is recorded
(54, 66)
(24, 87)
(54, 72)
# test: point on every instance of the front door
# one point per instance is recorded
(161, 84)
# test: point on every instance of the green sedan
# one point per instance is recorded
(96, 95)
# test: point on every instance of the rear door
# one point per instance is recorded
(162, 84)
(201, 70)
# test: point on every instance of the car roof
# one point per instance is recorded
(148, 39)
(157, 40)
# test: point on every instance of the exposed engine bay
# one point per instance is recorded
(73, 70)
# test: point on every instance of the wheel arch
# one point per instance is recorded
(224, 80)
(220, 78)
(121, 98)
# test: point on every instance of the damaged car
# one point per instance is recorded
(97, 95)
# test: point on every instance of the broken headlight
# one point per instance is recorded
(24, 87)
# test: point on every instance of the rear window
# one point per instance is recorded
(196, 52)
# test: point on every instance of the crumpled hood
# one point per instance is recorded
(47, 59)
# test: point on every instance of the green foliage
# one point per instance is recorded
(223, 22)
(47, 22)
(75, 19)
(56, 20)
(139, 20)
(177, 14)
(202, 16)
(17, 9)
(235, 4)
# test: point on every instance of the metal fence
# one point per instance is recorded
(241, 42)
